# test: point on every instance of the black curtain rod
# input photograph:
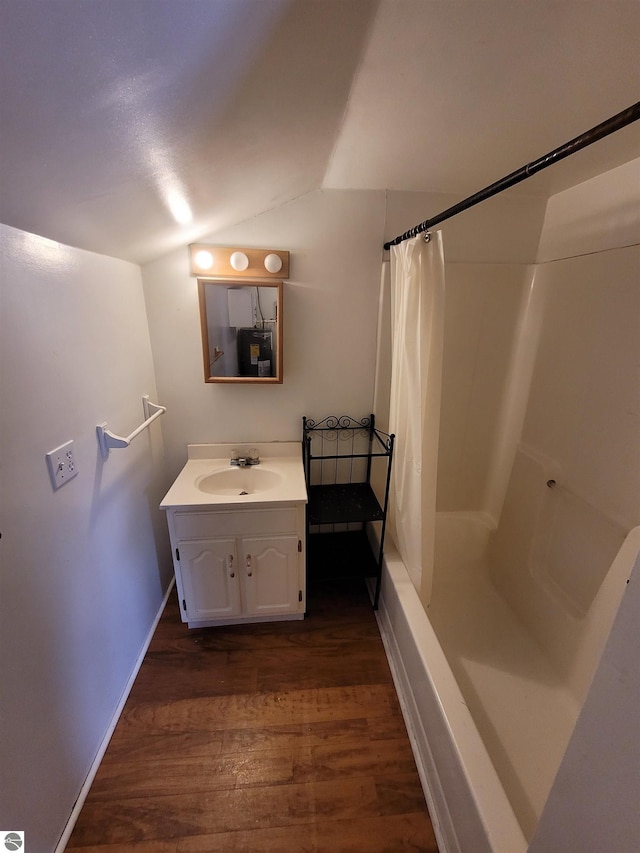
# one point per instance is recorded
(612, 124)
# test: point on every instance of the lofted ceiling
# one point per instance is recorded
(130, 127)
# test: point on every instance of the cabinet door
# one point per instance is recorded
(209, 574)
(271, 575)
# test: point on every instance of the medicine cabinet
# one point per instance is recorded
(241, 325)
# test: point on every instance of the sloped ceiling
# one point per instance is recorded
(129, 127)
(452, 95)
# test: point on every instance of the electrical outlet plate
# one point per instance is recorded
(62, 464)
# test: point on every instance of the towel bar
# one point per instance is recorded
(108, 439)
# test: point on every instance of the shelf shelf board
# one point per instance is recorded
(343, 502)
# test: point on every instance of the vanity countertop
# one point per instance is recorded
(209, 480)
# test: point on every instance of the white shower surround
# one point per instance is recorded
(476, 789)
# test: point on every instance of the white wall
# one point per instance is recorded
(330, 306)
(83, 569)
(504, 229)
(600, 214)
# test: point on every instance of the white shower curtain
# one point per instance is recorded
(417, 318)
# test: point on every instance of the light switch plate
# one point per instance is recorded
(62, 464)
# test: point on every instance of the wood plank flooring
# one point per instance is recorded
(278, 737)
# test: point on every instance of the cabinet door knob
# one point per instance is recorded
(249, 572)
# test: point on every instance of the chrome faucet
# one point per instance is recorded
(250, 458)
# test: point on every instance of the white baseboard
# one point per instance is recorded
(84, 791)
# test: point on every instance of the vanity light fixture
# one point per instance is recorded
(231, 262)
(203, 260)
(239, 261)
(273, 263)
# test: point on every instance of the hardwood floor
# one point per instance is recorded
(280, 737)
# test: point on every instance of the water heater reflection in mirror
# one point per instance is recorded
(255, 352)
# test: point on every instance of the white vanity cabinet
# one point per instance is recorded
(206, 572)
(235, 565)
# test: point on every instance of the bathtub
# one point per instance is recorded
(489, 709)
(467, 801)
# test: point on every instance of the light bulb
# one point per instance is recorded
(203, 259)
(239, 261)
(273, 263)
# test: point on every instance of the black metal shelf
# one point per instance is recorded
(338, 456)
(343, 503)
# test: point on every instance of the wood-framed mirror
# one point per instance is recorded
(241, 325)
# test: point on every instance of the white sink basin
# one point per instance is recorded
(239, 481)
(208, 480)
